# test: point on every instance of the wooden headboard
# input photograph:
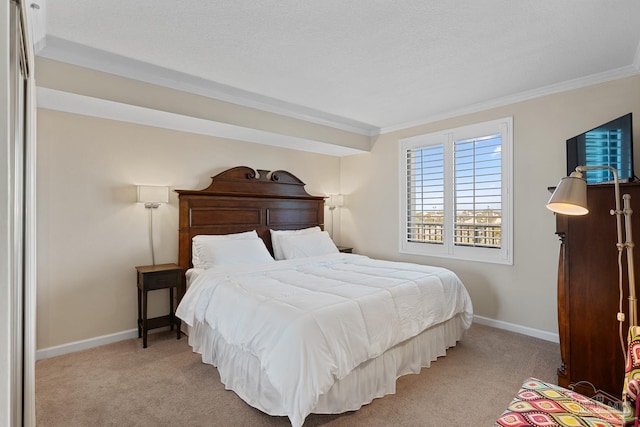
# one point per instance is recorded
(242, 199)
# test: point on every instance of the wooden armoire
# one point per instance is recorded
(588, 293)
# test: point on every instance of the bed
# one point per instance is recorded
(316, 331)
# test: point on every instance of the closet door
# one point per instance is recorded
(17, 231)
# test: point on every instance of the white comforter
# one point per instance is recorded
(310, 322)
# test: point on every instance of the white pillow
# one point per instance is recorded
(198, 243)
(305, 245)
(277, 234)
(227, 252)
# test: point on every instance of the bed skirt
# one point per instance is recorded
(241, 371)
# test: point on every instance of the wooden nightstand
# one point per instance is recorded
(345, 250)
(150, 278)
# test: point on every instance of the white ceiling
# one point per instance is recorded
(367, 65)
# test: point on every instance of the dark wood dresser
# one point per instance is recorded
(588, 295)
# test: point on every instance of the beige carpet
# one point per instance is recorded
(166, 384)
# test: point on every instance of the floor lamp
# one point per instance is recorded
(570, 198)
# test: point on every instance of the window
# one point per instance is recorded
(455, 195)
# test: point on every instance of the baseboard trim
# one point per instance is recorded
(512, 327)
(72, 347)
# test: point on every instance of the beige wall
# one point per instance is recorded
(91, 233)
(525, 293)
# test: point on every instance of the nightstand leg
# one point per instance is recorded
(171, 308)
(139, 313)
(144, 319)
(173, 315)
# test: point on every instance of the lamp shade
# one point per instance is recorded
(570, 196)
(153, 194)
(335, 200)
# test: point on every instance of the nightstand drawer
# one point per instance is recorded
(159, 280)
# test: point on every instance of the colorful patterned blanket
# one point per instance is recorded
(539, 404)
(631, 389)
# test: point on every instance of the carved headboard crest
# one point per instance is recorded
(244, 180)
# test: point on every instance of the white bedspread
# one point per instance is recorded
(310, 322)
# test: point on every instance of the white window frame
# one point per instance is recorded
(503, 255)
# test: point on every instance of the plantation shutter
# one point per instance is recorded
(425, 194)
(478, 192)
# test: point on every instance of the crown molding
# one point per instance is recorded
(95, 107)
(62, 50)
(524, 96)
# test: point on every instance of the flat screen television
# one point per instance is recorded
(610, 144)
